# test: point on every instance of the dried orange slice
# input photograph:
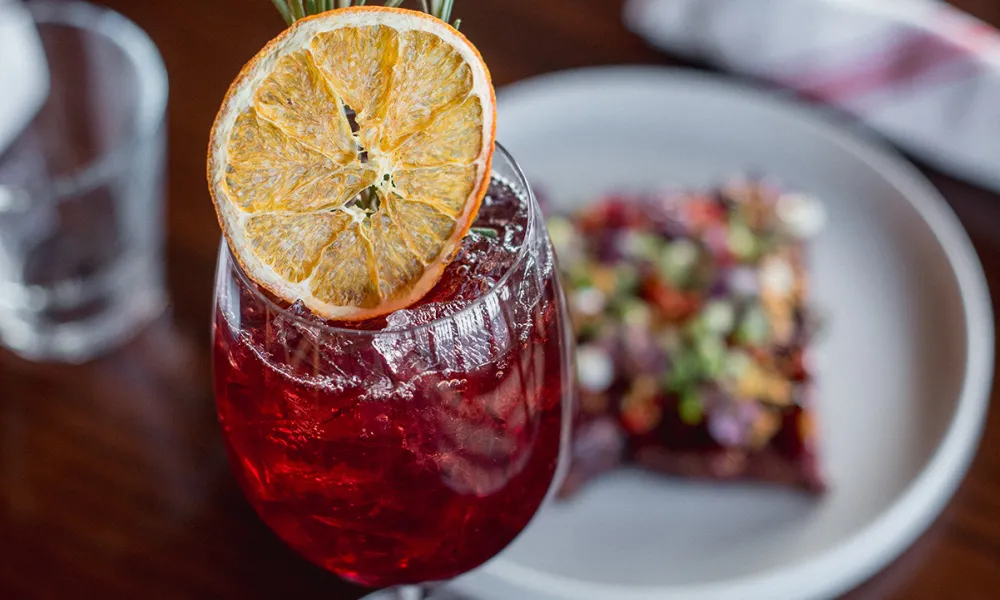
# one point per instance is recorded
(350, 157)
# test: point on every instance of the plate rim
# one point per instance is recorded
(892, 531)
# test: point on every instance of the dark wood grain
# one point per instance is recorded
(113, 480)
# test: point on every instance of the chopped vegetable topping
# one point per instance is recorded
(691, 322)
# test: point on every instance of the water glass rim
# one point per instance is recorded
(151, 73)
(226, 261)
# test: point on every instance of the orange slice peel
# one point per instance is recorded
(350, 157)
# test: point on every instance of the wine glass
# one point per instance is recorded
(415, 448)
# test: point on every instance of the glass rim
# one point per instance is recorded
(530, 230)
(150, 72)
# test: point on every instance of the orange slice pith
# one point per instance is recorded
(286, 163)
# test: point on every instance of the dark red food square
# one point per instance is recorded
(693, 327)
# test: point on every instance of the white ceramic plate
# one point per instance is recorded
(905, 369)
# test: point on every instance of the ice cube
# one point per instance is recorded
(409, 318)
(292, 341)
(458, 339)
(476, 336)
(489, 258)
(299, 309)
(405, 348)
(351, 362)
(480, 442)
(502, 205)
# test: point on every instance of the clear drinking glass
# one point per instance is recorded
(412, 450)
(81, 191)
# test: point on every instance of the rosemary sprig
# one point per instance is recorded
(293, 10)
(442, 9)
(283, 9)
(485, 232)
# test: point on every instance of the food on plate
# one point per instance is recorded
(693, 329)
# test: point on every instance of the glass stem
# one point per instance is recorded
(411, 592)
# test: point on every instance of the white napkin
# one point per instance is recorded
(24, 75)
(920, 72)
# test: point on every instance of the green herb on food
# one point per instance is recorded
(690, 409)
(678, 261)
(754, 328)
(742, 241)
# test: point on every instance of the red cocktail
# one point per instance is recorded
(416, 446)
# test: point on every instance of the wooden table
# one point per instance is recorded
(113, 480)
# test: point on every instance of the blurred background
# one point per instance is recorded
(113, 478)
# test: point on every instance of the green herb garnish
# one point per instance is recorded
(293, 10)
(485, 232)
(678, 262)
(754, 328)
(690, 409)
